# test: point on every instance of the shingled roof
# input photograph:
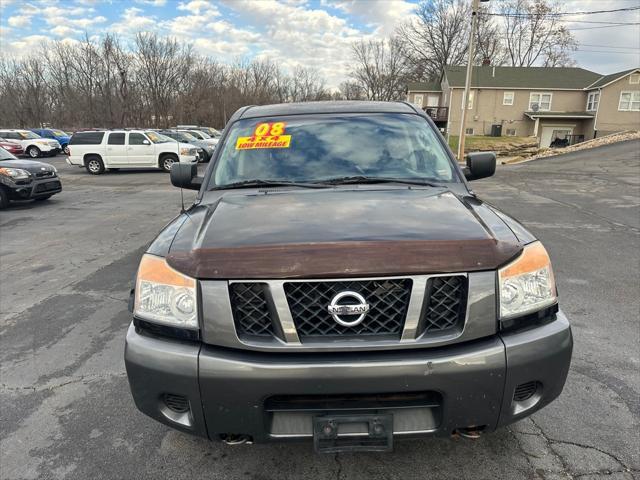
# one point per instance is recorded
(611, 78)
(523, 77)
(424, 87)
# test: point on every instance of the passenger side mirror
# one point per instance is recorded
(146, 142)
(480, 165)
(185, 175)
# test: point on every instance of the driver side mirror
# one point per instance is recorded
(146, 142)
(185, 175)
(480, 165)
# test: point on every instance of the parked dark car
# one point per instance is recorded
(337, 280)
(184, 137)
(26, 179)
(13, 148)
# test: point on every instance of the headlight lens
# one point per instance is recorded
(527, 284)
(164, 295)
(15, 173)
(187, 151)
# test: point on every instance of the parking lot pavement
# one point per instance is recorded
(66, 267)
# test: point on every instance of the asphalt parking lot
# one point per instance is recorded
(66, 267)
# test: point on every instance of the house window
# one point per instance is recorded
(469, 102)
(634, 78)
(629, 101)
(468, 131)
(507, 98)
(511, 132)
(592, 101)
(543, 100)
(417, 100)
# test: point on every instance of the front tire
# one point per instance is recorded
(34, 152)
(167, 161)
(94, 165)
(4, 198)
(65, 149)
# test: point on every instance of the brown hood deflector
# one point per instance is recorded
(344, 259)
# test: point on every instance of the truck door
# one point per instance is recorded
(140, 151)
(116, 149)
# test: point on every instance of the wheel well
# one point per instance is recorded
(163, 155)
(31, 145)
(89, 156)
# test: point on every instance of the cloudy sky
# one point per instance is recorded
(314, 33)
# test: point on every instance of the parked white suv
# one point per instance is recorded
(116, 149)
(33, 144)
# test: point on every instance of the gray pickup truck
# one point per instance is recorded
(337, 280)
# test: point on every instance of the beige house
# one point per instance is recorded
(553, 104)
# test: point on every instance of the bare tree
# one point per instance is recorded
(437, 36)
(533, 34)
(351, 90)
(489, 42)
(380, 68)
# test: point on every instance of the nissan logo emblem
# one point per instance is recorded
(354, 304)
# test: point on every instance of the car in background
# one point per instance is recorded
(99, 150)
(200, 135)
(26, 179)
(59, 135)
(212, 132)
(13, 148)
(186, 137)
(33, 144)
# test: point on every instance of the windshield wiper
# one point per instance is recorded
(268, 183)
(365, 179)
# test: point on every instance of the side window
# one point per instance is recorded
(116, 139)
(136, 139)
(47, 134)
(86, 138)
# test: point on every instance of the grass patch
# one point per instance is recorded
(474, 143)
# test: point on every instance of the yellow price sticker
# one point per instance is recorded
(270, 141)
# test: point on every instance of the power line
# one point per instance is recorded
(561, 14)
(608, 46)
(609, 52)
(601, 26)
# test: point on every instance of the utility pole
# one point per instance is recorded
(467, 86)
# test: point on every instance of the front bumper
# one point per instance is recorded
(36, 188)
(231, 392)
(189, 158)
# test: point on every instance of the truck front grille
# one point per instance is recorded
(445, 304)
(297, 311)
(388, 301)
(250, 309)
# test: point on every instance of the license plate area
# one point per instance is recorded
(353, 433)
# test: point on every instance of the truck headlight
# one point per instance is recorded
(187, 151)
(527, 284)
(15, 173)
(164, 295)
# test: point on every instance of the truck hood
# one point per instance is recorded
(340, 233)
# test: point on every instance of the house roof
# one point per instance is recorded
(424, 87)
(607, 79)
(570, 78)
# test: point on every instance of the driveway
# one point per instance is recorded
(66, 267)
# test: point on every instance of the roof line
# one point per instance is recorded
(629, 72)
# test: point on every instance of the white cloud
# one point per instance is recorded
(62, 31)
(132, 21)
(153, 3)
(383, 15)
(19, 21)
(196, 7)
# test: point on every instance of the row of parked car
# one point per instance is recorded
(96, 150)
(101, 150)
(36, 142)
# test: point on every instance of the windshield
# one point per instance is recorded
(155, 137)
(185, 137)
(200, 134)
(324, 147)
(28, 135)
(4, 155)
